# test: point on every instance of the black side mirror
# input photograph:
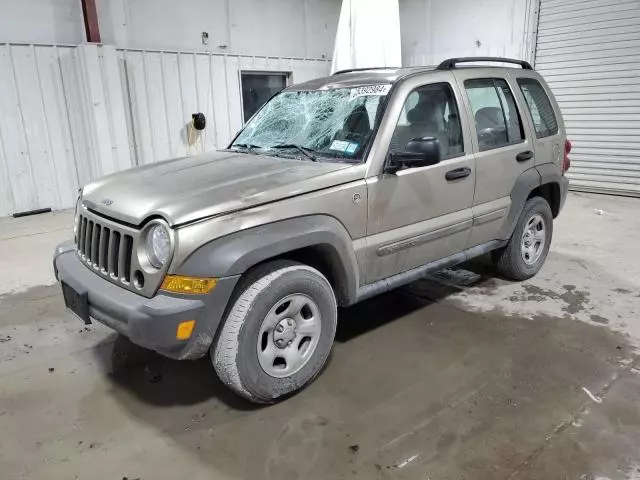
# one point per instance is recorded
(419, 152)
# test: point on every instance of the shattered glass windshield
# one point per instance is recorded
(318, 124)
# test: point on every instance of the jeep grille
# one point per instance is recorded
(105, 247)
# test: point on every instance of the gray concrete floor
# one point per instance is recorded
(460, 376)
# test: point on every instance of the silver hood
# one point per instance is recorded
(188, 189)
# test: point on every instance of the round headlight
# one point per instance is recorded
(158, 245)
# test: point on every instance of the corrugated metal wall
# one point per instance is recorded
(37, 157)
(70, 114)
(589, 52)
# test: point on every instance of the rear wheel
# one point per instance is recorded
(278, 334)
(529, 244)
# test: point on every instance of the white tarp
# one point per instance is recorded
(368, 35)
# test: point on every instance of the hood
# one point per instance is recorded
(188, 189)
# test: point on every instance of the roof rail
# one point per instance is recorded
(349, 70)
(452, 62)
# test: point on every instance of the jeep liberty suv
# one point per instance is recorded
(338, 189)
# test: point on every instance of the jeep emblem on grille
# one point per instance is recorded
(107, 202)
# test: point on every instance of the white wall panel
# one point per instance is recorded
(321, 23)
(279, 24)
(41, 21)
(62, 123)
(72, 91)
(433, 30)
(37, 156)
(7, 203)
(157, 111)
(57, 124)
(234, 97)
(106, 126)
(222, 118)
(204, 90)
(116, 102)
(589, 54)
(14, 141)
(141, 118)
(304, 28)
(35, 124)
(173, 101)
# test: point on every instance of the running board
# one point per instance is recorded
(400, 279)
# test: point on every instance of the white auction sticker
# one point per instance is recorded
(367, 90)
(339, 145)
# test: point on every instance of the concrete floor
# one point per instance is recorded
(460, 376)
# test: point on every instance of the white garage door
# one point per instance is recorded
(589, 52)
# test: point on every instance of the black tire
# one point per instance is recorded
(234, 354)
(509, 260)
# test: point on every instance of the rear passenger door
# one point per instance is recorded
(502, 149)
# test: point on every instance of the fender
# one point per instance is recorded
(236, 253)
(528, 181)
(551, 173)
(538, 176)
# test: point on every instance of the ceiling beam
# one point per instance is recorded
(90, 15)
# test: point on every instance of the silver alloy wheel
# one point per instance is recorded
(289, 335)
(534, 239)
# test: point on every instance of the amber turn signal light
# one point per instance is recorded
(185, 329)
(189, 285)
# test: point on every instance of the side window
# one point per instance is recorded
(540, 107)
(430, 111)
(494, 110)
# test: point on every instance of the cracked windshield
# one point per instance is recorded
(316, 125)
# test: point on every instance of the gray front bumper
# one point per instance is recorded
(148, 322)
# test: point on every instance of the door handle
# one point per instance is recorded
(524, 156)
(458, 173)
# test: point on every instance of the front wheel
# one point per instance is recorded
(529, 244)
(278, 334)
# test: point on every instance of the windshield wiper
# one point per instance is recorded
(304, 150)
(247, 146)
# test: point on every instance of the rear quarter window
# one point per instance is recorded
(544, 118)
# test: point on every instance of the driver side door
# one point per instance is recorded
(420, 215)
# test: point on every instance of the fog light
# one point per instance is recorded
(189, 285)
(185, 329)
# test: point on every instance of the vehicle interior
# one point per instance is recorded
(430, 111)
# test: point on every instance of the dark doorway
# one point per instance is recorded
(257, 88)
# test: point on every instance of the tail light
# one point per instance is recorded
(566, 163)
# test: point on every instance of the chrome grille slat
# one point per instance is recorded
(110, 253)
(116, 254)
(95, 244)
(121, 257)
(82, 236)
(128, 247)
(78, 236)
(102, 253)
(87, 244)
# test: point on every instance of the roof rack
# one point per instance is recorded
(349, 70)
(452, 62)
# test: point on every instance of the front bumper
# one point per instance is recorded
(148, 322)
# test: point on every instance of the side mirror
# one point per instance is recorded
(419, 152)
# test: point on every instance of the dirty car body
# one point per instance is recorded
(366, 179)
